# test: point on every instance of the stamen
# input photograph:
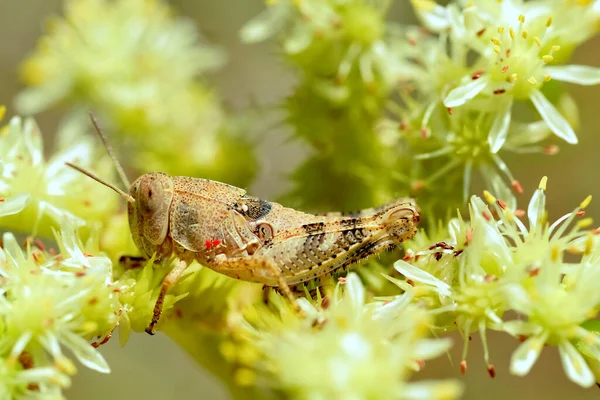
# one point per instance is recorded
(543, 183)
(586, 202)
(489, 197)
(584, 223)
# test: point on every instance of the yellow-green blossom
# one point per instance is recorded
(494, 264)
(138, 67)
(514, 64)
(347, 37)
(50, 302)
(339, 348)
(32, 188)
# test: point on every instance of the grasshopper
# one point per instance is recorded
(247, 238)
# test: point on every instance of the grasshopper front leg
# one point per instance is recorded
(168, 281)
(251, 268)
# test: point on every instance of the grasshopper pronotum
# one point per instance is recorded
(248, 238)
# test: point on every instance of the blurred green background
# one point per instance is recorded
(153, 367)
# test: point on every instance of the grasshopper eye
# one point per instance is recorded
(265, 231)
(149, 196)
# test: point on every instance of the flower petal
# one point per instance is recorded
(574, 365)
(419, 275)
(426, 390)
(556, 122)
(499, 130)
(526, 355)
(463, 93)
(434, 16)
(266, 24)
(536, 209)
(355, 291)
(579, 74)
(85, 353)
(14, 204)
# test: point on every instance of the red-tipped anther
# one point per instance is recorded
(551, 150)
(480, 32)
(463, 367)
(501, 204)
(520, 213)
(469, 235)
(486, 215)
(410, 282)
(412, 41)
(477, 74)
(505, 68)
(2, 199)
(325, 302)
(517, 186)
(491, 370)
(580, 213)
(449, 110)
(499, 91)
(417, 185)
(39, 244)
(421, 364)
(342, 280)
(403, 125)
(424, 133)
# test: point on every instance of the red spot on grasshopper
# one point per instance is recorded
(212, 243)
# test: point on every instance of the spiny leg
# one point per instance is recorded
(246, 267)
(168, 281)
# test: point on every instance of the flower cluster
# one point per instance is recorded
(475, 64)
(32, 189)
(495, 263)
(139, 68)
(50, 302)
(363, 350)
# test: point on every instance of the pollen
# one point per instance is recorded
(584, 223)
(586, 202)
(489, 197)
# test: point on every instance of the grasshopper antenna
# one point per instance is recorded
(109, 149)
(126, 196)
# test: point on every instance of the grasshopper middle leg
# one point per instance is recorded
(168, 281)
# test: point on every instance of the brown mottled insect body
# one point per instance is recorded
(248, 238)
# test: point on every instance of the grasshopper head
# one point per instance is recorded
(401, 218)
(149, 214)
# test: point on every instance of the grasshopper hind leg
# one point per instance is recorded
(249, 268)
